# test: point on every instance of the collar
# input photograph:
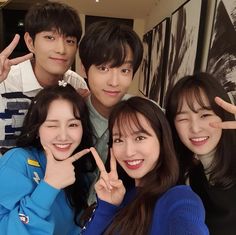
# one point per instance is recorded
(100, 123)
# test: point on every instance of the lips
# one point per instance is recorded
(134, 164)
(198, 141)
(62, 147)
(112, 93)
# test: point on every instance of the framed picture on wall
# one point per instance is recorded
(185, 45)
(145, 65)
(160, 38)
(222, 52)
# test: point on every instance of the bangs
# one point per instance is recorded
(191, 95)
(114, 53)
(128, 122)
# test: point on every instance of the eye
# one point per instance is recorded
(49, 37)
(103, 68)
(126, 71)
(71, 41)
(205, 115)
(139, 138)
(117, 140)
(74, 124)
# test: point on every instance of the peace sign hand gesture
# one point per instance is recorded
(5, 63)
(60, 174)
(228, 107)
(108, 188)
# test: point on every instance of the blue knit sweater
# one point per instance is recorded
(179, 211)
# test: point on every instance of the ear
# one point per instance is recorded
(29, 42)
(82, 70)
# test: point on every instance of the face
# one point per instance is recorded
(61, 132)
(54, 53)
(194, 129)
(137, 151)
(108, 85)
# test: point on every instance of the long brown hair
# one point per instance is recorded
(136, 217)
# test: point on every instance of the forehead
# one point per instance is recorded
(128, 124)
(193, 99)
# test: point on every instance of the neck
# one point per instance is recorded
(206, 159)
(100, 108)
(45, 78)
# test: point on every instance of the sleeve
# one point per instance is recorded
(100, 219)
(186, 214)
(24, 208)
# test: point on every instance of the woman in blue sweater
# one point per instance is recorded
(207, 154)
(143, 198)
(42, 180)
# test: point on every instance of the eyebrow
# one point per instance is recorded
(133, 133)
(197, 110)
(55, 120)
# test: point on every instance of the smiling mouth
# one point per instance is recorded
(62, 146)
(135, 164)
(199, 140)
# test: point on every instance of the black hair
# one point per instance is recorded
(77, 193)
(106, 42)
(53, 15)
(136, 216)
(222, 171)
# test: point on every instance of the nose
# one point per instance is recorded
(60, 45)
(114, 77)
(195, 126)
(130, 149)
(62, 134)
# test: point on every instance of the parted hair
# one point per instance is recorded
(78, 192)
(222, 171)
(136, 217)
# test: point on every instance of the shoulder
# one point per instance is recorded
(180, 192)
(75, 79)
(17, 158)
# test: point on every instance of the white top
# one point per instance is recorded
(15, 96)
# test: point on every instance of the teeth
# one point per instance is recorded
(133, 163)
(199, 139)
(62, 146)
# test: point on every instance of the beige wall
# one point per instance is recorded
(162, 9)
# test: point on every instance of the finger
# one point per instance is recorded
(225, 105)
(9, 49)
(101, 184)
(48, 154)
(113, 165)
(21, 59)
(224, 125)
(78, 155)
(116, 183)
(98, 160)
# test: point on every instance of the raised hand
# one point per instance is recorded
(5, 63)
(229, 108)
(60, 174)
(108, 188)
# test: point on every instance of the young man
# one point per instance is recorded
(53, 41)
(110, 54)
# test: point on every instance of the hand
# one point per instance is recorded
(108, 188)
(5, 63)
(83, 92)
(60, 174)
(228, 107)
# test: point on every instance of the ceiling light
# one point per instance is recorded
(97, 0)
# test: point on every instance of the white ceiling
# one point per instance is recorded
(112, 8)
(115, 8)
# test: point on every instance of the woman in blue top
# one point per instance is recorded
(150, 202)
(43, 190)
(207, 154)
